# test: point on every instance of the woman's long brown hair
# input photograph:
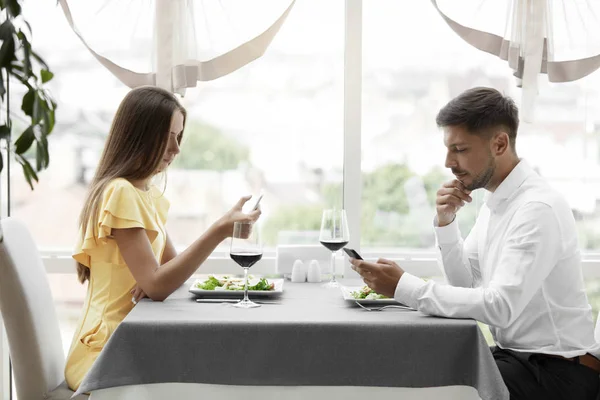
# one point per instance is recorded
(134, 148)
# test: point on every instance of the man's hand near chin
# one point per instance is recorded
(382, 276)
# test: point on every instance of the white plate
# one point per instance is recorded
(347, 292)
(237, 293)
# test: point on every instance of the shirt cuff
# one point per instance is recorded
(406, 290)
(448, 234)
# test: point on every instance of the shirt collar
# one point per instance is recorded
(510, 184)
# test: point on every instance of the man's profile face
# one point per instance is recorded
(469, 157)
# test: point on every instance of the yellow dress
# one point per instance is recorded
(108, 298)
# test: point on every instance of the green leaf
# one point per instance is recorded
(7, 53)
(49, 108)
(41, 155)
(48, 119)
(46, 153)
(30, 174)
(28, 171)
(28, 100)
(4, 133)
(13, 7)
(7, 29)
(46, 75)
(210, 284)
(26, 46)
(51, 120)
(24, 141)
(38, 104)
(40, 60)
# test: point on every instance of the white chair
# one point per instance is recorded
(29, 317)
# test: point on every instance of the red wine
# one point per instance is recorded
(333, 245)
(245, 260)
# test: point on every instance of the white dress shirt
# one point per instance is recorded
(518, 271)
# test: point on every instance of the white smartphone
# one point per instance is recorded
(257, 203)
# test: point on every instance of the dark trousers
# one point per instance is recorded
(535, 376)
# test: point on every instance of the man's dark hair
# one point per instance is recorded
(479, 111)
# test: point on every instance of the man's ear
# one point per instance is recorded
(500, 143)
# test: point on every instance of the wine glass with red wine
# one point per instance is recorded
(334, 235)
(246, 250)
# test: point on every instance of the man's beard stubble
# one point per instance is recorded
(483, 178)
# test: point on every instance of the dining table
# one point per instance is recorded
(309, 341)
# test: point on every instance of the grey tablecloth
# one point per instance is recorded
(312, 338)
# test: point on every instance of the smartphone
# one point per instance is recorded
(352, 253)
(257, 203)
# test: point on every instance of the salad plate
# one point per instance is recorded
(231, 286)
(365, 295)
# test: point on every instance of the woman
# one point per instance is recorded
(124, 249)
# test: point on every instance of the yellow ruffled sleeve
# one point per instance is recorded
(122, 207)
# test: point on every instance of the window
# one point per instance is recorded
(277, 126)
(413, 65)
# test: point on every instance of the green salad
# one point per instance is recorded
(233, 283)
(367, 293)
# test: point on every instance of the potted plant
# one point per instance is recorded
(21, 65)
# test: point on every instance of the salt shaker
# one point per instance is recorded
(314, 272)
(298, 271)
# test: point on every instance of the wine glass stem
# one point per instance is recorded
(333, 266)
(246, 285)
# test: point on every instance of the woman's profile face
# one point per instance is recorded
(175, 132)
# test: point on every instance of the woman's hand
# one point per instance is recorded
(137, 294)
(236, 215)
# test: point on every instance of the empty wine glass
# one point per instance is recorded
(334, 235)
(245, 250)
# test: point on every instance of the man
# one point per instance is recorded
(519, 268)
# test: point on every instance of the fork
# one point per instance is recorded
(384, 307)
